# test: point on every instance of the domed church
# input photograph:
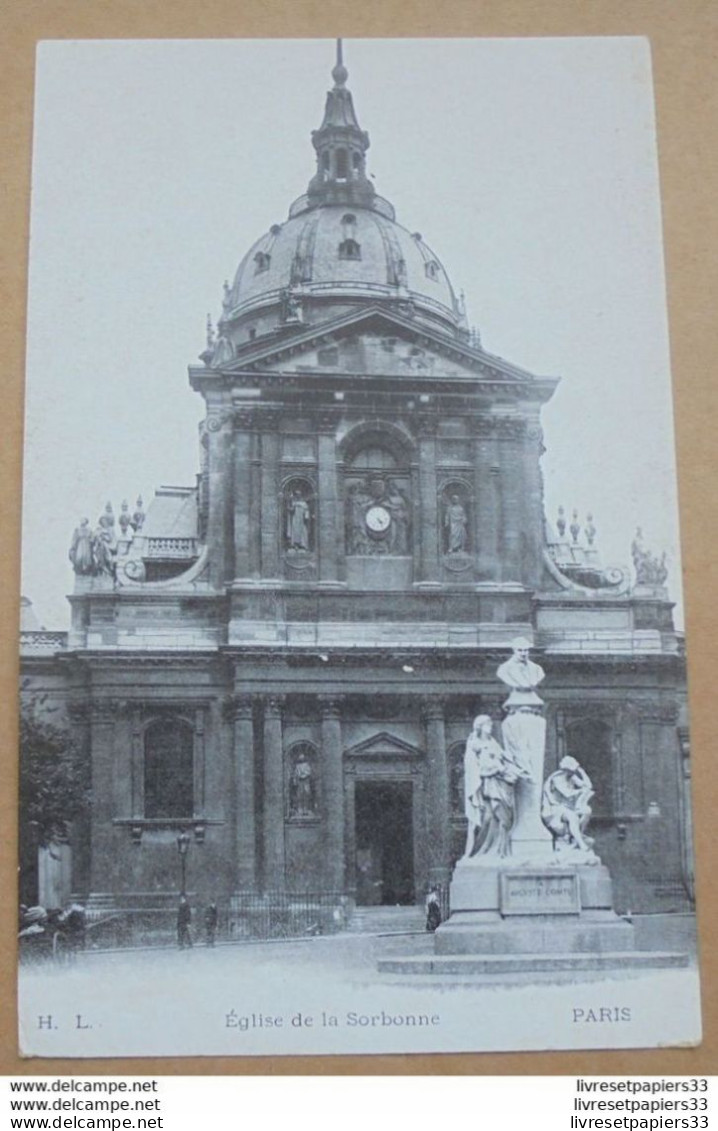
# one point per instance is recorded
(280, 664)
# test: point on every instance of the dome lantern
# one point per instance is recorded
(341, 147)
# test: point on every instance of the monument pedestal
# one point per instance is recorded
(532, 910)
(550, 920)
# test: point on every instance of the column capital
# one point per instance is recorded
(327, 418)
(78, 712)
(273, 706)
(267, 417)
(105, 711)
(245, 419)
(330, 706)
(427, 425)
(433, 708)
(237, 707)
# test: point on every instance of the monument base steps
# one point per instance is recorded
(506, 966)
(556, 919)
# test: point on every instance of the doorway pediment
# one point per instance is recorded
(384, 745)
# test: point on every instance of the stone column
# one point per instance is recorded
(103, 859)
(486, 480)
(333, 791)
(243, 534)
(270, 511)
(137, 765)
(438, 807)
(219, 514)
(273, 795)
(331, 523)
(510, 431)
(255, 504)
(428, 506)
(533, 539)
(242, 715)
(79, 715)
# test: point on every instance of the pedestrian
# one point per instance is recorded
(211, 916)
(184, 918)
(433, 909)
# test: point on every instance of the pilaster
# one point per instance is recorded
(241, 713)
(438, 808)
(333, 781)
(273, 823)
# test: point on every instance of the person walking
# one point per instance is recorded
(184, 918)
(211, 917)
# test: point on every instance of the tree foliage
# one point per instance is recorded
(53, 777)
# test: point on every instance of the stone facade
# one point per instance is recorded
(285, 660)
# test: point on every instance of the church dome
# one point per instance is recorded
(332, 251)
(340, 246)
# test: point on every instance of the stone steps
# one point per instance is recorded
(507, 964)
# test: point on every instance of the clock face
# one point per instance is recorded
(378, 519)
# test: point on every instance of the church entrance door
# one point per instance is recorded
(384, 843)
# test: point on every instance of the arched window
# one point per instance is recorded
(371, 458)
(342, 165)
(169, 769)
(261, 262)
(431, 267)
(349, 249)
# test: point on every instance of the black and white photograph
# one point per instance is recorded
(353, 704)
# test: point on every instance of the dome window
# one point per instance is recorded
(349, 219)
(431, 267)
(349, 249)
(261, 262)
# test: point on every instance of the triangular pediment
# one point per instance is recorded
(374, 341)
(383, 744)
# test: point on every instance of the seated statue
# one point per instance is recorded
(566, 809)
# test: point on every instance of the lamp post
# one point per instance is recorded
(183, 843)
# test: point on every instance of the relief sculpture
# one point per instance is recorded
(378, 514)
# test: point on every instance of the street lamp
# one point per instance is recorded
(183, 843)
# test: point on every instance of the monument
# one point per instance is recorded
(529, 894)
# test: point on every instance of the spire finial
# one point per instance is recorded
(340, 74)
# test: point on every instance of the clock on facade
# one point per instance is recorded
(378, 520)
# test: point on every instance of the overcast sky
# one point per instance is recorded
(529, 166)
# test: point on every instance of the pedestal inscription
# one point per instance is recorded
(536, 893)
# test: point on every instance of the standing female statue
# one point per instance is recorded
(490, 776)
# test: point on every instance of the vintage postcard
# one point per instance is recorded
(353, 691)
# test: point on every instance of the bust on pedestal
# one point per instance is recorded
(529, 882)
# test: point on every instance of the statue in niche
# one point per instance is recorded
(455, 527)
(566, 809)
(490, 777)
(80, 552)
(298, 520)
(301, 787)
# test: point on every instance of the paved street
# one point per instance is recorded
(324, 994)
